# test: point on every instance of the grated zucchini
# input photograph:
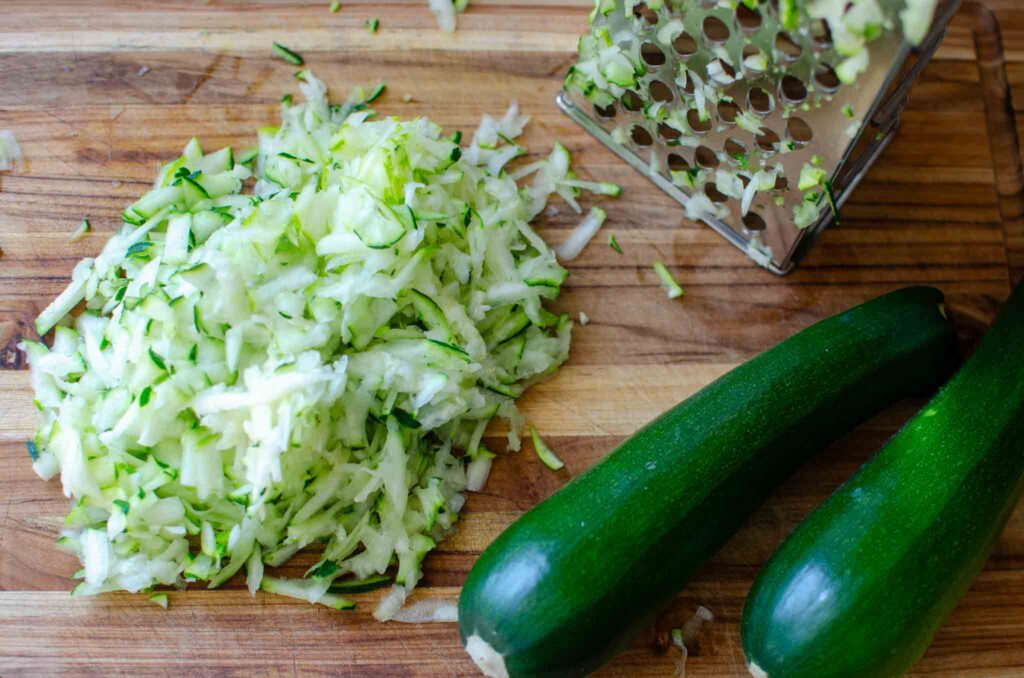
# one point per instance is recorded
(544, 452)
(288, 55)
(668, 281)
(255, 372)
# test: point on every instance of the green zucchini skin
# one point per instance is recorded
(568, 584)
(859, 589)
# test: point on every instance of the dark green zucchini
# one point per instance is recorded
(567, 584)
(859, 589)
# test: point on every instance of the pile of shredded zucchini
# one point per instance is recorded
(314, 362)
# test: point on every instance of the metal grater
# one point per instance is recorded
(805, 116)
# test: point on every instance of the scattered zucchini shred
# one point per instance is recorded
(613, 243)
(831, 196)
(373, 25)
(668, 281)
(83, 228)
(299, 344)
(378, 90)
(10, 151)
(160, 599)
(288, 55)
(544, 452)
(446, 12)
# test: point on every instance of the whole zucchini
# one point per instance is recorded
(859, 589)
(566, 585)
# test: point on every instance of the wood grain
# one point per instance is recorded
(94, 127)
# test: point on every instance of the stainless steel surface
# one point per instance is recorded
(849, 125)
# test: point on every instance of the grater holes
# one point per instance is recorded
(749, 20)
(798, 131)
(768, 141)
(661, 92)
(792, 90)
(669, 133)
(631, 101)
(696, 123)
(826, 78)
(736, 151)
(688, 86)
(715, 31)
(645, 13)
(715, 195)
(821, 34)
(677, 163)
(607, 112)
(787, 50)
(721, 71)
(750, 63)
(640, 136)
(753, 221)
(760, 101)
(684, 45)
(705, 158)
(727, 111)
(652, 54)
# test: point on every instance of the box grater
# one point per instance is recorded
(775, 111)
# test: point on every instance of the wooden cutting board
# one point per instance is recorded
(99, 93)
